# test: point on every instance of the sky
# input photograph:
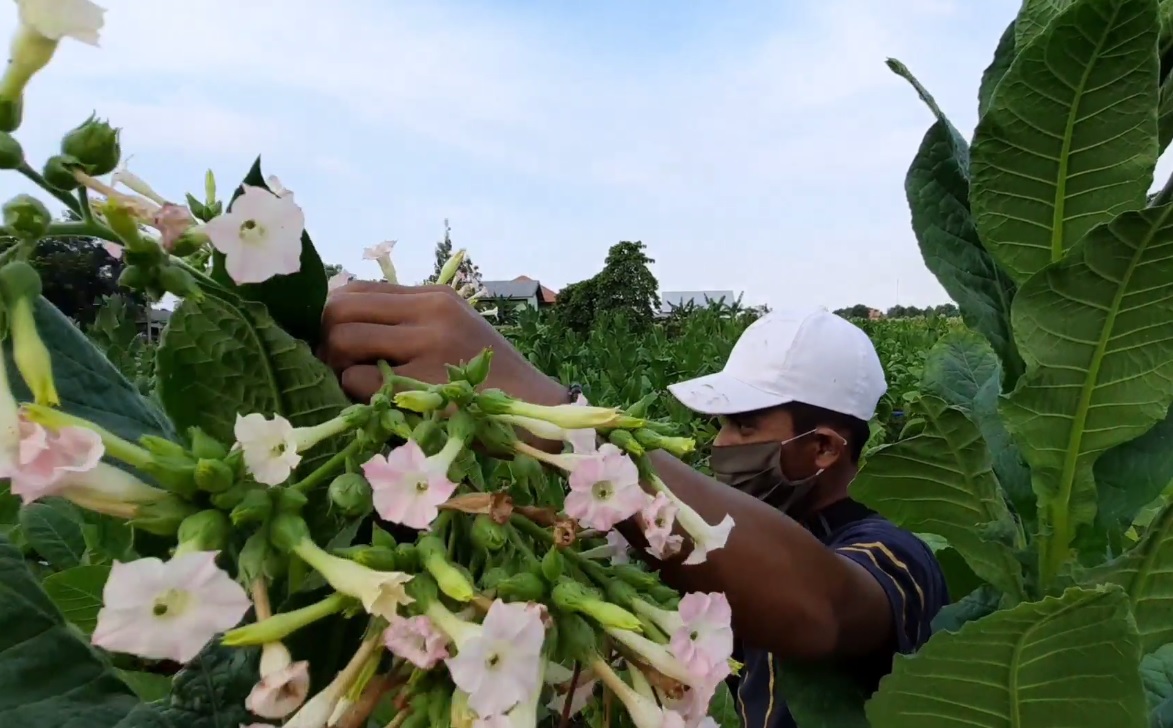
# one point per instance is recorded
(755, 146)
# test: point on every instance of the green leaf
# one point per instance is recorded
(1130, 477)
(77, 592)
(107, 538)
(723, 708)
(821, 696)
(1156, 673)
(1145, 572)
(88, 384)
(963, 370)
(48, 677)
(1069, 661)
(147, 685)
(1165, 115)
(992, 76)
(1070, 138)
(294, 301)
(937, 188)
(9, 509)
(53, 529)
(209, 691)
(938, 479)
(217, 360)
(979, 603)
(1089, 386)
(1033, 18)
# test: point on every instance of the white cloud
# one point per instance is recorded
(771, 162)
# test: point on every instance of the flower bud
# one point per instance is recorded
(418, 400)
(477, 370)
(163, 517)
(250, 565)
(210, 189)
(576, 638)
(487, 534)
(11, 113)
(524, 586)
(288, 500)
(451, 580)
(204, 531)
(495, 435)
(621, 593)
(176, 474)
(163, 447)
(198, 210)
(553, 565)
(213, 476)
(424, 590)
(95, 144)
(27, 217)
(379, 558)
(626, 442)
(11, 154)
(494, 576)
(230, 498)
(287, 531)
(179, 283)
(204, 445)
(58, 172)
(408, 557)
(571, 596)
(20, 285)
(280, 626)
(448, 272)
(351, 494)
(136, 278)
(255, 507)
(665, 595)
(651, 440)
(568, 416)
(637, 577)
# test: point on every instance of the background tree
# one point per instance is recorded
(471, 273)
(625, 286)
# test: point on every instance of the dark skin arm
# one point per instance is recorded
(789, 593)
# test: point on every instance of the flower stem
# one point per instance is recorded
(35, 177)
(327, 468)
(83, 198)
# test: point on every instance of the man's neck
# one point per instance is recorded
(831, 489)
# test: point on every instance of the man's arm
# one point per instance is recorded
(789, 594)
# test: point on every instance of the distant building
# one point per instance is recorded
(521, 291)
(670, 300)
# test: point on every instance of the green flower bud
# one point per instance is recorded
(198, 210)
(577, 640)
(11, 111)
(95, 144)
(524, 586)
(255, 507)
(625, 441)
(280, 626)
(287, 531)
(454, 583)
(637, 577)
(179, 282)
(379, 537)
(351, 494)
(204, 531)
(58, 172)
(19, 280)
(424, 590)
(163, 447)
(665, 595)
(651, 440)
(213, 476)
(11, 154)
(418, 400)
(27, 217)
(250, 565)
(230, 498)
(458, 391)
(407, 557)
(553, 565)
(378, 558)
(288, 500)
(487, 534)
(477, 370)
(190, 241)
(495, 435)
(448, 271)
(571, 596)
(135, 277)
(19, 287)
(204, 445)
(163, 517)
(621, 593)
(493, 577)
(176, 474)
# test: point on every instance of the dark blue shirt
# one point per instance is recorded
(911, 578)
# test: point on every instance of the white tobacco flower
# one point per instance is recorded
(81, 20)
(501, 665)
(381, 254)
(381, 592)
(277, 188)
(168, 610)
(260, 235)
(270, 447)
(123, 176)
(704, 537)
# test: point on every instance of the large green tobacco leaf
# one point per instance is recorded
(1096, 333)
(963, 370)
(1146, 574)
(992, 76)
(295, 301)
(77, 592)
(1165, 115)
(1070, 661)
(217, 360)
(937, 188)
(938, 479)
(1070, 138)
(55, 530)
(1156, 672)
(1033, 18)
(1129, 477)
(88, 384)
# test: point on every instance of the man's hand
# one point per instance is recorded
(417, 330)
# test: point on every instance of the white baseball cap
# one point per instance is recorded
(810, 356)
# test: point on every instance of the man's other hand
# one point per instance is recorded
(417, 330)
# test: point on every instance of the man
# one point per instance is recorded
(809, 573)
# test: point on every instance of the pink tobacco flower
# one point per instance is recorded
(408, 486)
(604, 489)
(501, 664)
(45, 458)
(171, 221)
(281, 691)
(658, 518)
(416, 640)
(704, 641)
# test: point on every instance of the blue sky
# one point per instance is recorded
(754, 146)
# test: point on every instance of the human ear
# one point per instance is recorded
(830, 447)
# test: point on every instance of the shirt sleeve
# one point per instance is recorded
(905, 568)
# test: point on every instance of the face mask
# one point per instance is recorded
(756, 469)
